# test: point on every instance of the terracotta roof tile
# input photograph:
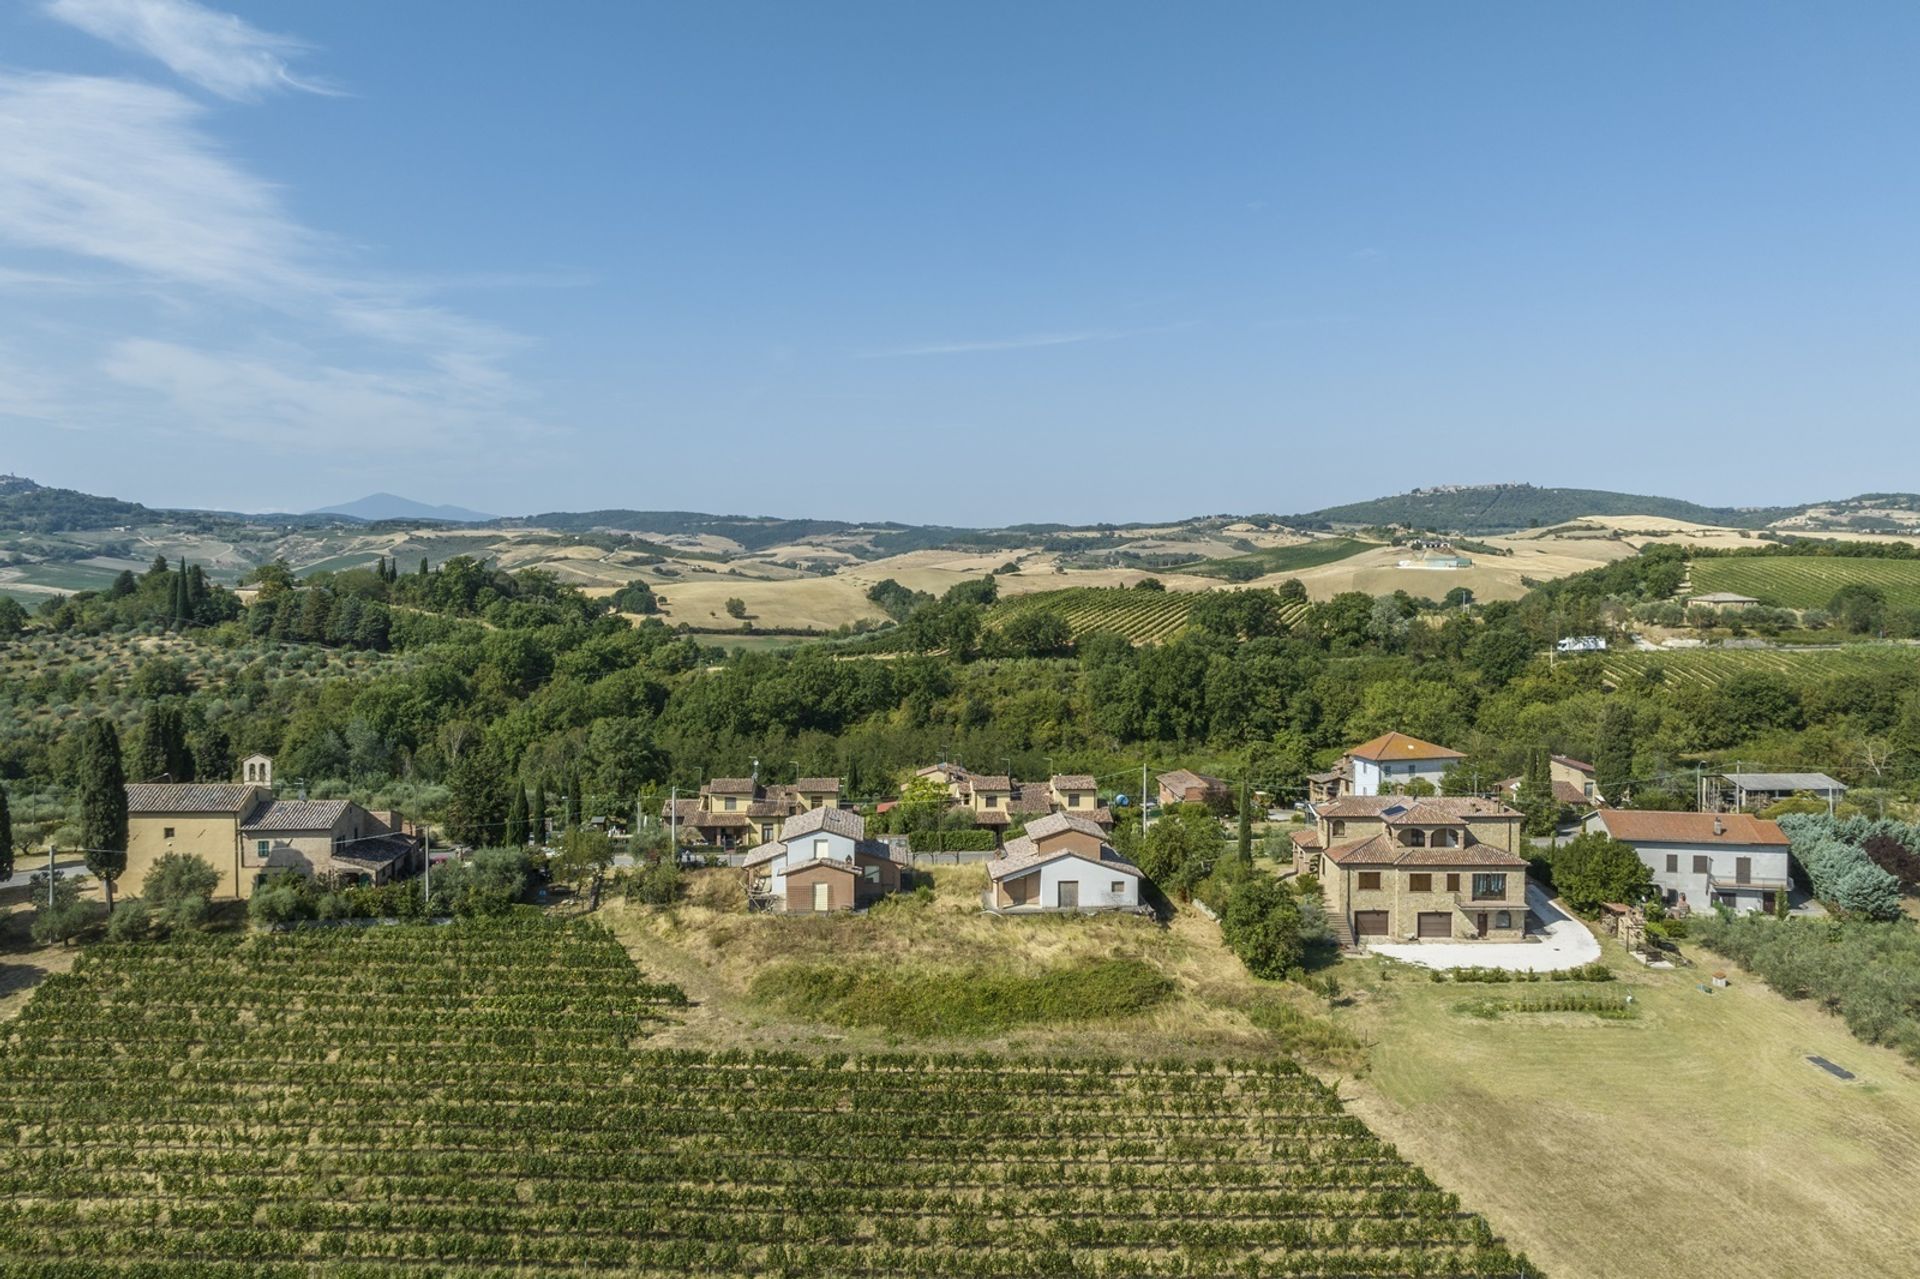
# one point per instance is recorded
(1022, 855)
(1635, 825)
(1074, 781)
(171, 797)
(1399, 746)
(297, 815)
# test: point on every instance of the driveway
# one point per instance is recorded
(1565, 942)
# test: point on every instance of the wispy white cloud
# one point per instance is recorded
(123, 175)
(217, 51)
(1023, 342)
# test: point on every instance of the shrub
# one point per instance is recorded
(1840, 871)
(655, 884)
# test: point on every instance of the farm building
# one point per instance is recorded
(1723, 600)
(1723, 859)
(1435, 869)
(246, 834)
(1062, 863)
(1737, 792)
(822, 861)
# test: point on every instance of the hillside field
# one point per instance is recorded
(1144, 617)
(488, 1099)
(1806, 581)
(1710, 666)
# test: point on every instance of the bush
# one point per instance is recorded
(655, 884)
(1594, 868)
(1841, 873)
(131, 920)
(1261, 924)
(66, 917)
(283, 899)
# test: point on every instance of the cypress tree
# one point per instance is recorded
(516, 833)
(103, 803)
(1613, 764)
(1245, 848)
(573, 798)
(423, 566)
(537, 813)
(6, 836)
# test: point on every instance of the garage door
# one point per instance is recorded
(1435, 924)
(1370, 923)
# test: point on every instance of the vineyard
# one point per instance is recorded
(1806, 581)
(1144, 617)
(1707, 667)
(479, 1101)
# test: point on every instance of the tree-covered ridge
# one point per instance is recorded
(1504, 508)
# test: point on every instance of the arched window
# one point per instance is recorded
(1414, 839)
(1339, 828)
(1446, 839)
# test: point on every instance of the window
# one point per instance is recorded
(821, 847)
(166, 832)
(1073, 801)
(1414, 839)
(731, 803)
(1339, 828)
(766, 831)
(1369, 879)
(1489, 886)
(1118, 887)
(1503, 919)
(1453, 883)
(1673, 863)
(1702, 864)
(1419, 883)
(260, 846)
(871, 874)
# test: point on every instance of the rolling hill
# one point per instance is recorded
(390, 506)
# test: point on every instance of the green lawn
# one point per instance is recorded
(1694, 1139)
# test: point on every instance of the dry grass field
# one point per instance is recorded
(713, 949)
(1695, 1139)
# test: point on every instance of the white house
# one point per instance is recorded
(822, 861)
(1702, 859)
(1392, 760)
(1063, 862)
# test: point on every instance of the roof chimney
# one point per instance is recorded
(1719, 827)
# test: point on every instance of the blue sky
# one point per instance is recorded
(971, 263)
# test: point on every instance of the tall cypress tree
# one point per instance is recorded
(516, 833)
(1613, 764)
(6, 836)
(103, 803)
(574, 804)
(537, 813)
(1245, 847)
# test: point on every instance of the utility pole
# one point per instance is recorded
(1143, 797)
(426, 870)
(673, 824)
(50, 874)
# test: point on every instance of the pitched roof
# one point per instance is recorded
(1186, 779)
(171, 797)
(1382, 850)
(1399, 746)
(1074, 781)
(381, 851)
(1059, 823)
(1579, 766)
(990, 781)
(816, 784)
(297, 814)
(1029, 798)
(1722, 597)
(765, 853)
(1308, 838)
(1022, 855)
(1565, 792)
(1783, 781)
(1638, 825)
(837, 821)
(731, 786)
(1434, 808)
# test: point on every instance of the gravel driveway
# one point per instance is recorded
(1565, 943)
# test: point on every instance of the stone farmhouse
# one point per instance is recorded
(246, 833)
(1404, 869)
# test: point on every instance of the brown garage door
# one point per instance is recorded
(1435, 924)
(1370, 923)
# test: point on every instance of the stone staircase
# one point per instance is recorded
(1342, 931)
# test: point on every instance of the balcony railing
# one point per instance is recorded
(1716, 883)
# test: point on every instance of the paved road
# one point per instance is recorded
(26, 866)
(1565, 943)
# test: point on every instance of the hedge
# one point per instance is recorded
(953, 841)
(1841, 873)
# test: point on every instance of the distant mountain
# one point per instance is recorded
(389, 506)
(1503, 508)
(34, 508)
